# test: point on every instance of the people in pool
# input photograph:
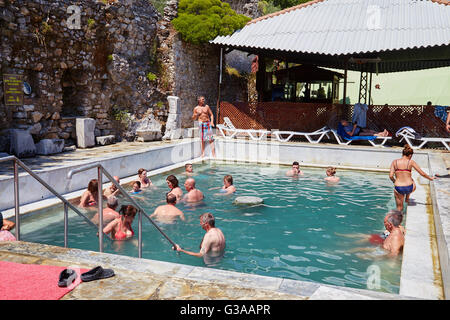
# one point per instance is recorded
(5, 226)
(90, 196)
(295, 170)
(109, 213)
(400, 174)
(213, 242)
(112, 190)
(228, 187)
(143, 179)
(168, 213)
(136, 187)
(331, 175)
(120, 228)
(193, 194)
(172, 183)
(188, 169)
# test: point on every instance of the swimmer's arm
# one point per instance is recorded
(195, 254)
(211, 115)
(8, 225)
(110, 226)
(421, 172)
(83, 200)
(182, 216)
(194, 115)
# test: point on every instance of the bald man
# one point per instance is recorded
(193, 194)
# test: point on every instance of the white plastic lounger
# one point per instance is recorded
(321, 132)
(346, 142)
(408, 134)
(228, 126)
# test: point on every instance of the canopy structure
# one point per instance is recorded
(377, 36)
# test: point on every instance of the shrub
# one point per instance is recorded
(151, 76)
(199, 21)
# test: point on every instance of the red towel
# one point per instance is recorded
(33, 282)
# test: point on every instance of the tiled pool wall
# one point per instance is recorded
(427, 225)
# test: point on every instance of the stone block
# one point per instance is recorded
(174, 104)
(49, 146)
(22, 144)
(148, 135)
(190, 133)
(85, 132)
(105, 140)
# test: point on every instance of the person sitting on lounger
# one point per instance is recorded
(354, 130)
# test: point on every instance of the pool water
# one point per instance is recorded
(295, 234)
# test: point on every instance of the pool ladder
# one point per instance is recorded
(67, 204)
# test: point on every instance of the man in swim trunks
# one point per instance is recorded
(213, 243)
(295, 170)
(168, 213)
(193, 195)
(354, 130)
(109, 213)
(205, 117)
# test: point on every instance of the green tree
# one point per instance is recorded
(199, 21)
(283, 4)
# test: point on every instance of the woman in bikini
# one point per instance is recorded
(400, 175)
(120, 228)
(172, 183)
(90, 196)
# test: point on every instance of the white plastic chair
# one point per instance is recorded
(408, 134)
(321, 132)
(228, 126)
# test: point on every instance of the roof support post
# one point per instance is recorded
(363, 87)
(220, 82)
(370, 89)
(261, 77)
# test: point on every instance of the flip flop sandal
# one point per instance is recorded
(97, 273)
(66, 277)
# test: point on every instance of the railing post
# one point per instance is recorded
(16, 199)
(140, 234)
(100, 208)
(66, 225)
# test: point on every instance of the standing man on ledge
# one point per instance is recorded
(206, 122)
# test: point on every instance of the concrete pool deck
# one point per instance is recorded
(426, 246)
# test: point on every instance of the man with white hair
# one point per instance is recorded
(109, 213)
(395, 240)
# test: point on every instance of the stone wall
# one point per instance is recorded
(99, 71)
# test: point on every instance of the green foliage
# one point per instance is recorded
(151, 76)
(91, 23)
(159, 5)
(45, 28)
(160, 104)
(232, 71)
(121, 115)
(199, 21)
(283, 4)
(267, 7)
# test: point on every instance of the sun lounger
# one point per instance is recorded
(408, 134)
(321, 132)
(228, 126)
(344, 139)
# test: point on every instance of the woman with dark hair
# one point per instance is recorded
(400, 175)
(145, 181)
(90, 196)
(120, 228)
(172, 183)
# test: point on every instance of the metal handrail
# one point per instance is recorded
(46, 185)
(101, 170)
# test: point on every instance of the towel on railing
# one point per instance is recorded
(441, 112)
(341, 131)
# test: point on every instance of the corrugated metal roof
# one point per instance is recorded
(345, 27)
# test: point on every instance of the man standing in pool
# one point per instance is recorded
(168, 213)
(205, 117)
(295, 170)
(193, 194)
(213, 243)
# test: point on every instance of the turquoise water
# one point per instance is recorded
(295, 234)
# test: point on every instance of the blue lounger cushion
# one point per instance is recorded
(344, 135)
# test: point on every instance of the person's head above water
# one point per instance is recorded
(407, 151)
(295, 165)
(128, 211)
(189, 184)
(142, 173)
(207, 220)
(112, 202)
(393, 219)
(93, 186)
(188, 167)
(136, 186)
(331, 171)
(171, 198)
(172, 181)
(228, 180)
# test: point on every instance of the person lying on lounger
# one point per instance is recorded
(354, 130)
